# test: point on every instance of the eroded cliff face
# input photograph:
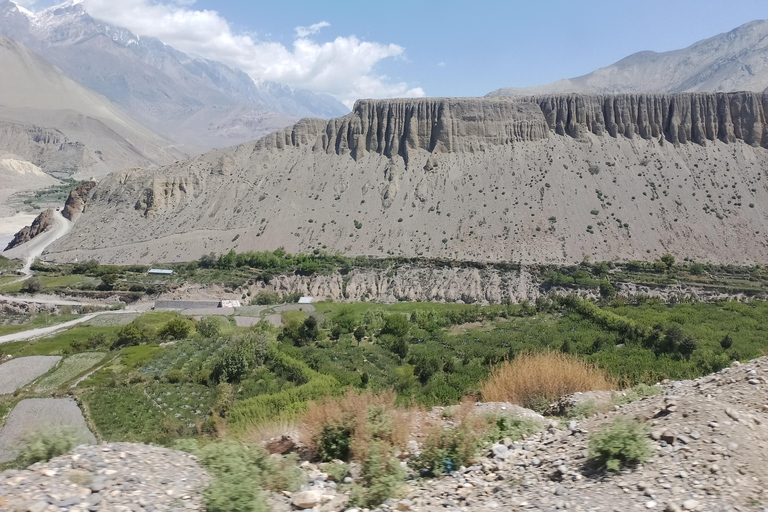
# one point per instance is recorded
(395, 127)
(545, 179)
(76, 201)
(41, 224)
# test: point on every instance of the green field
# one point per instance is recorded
(36, 321)
(67, 370)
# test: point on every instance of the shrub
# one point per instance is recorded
(622, 443)
(133, 334)
(32, 285)
(346, 427)
(42, 446)
(726, 343)
(175, 376)
(446, 449)
(337, 471)
(209, 326)
(233, 362)
(536, 380)
(382, 476)
(176, 329)
(240, 473)
(266, 298)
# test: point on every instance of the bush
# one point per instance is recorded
(133, 334)
(32, 285)
(446, 449)
(209, 326)
(382, 476)
(234, 362)
(176, 329)
(265, 298)
(536, 380)
(42, 446)
(622, 443)
(240, 473)
(344, 428)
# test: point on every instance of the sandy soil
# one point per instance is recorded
(17, 373)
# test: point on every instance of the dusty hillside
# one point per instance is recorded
(17, 174)
(734, 61)
(56, 124)
(538, 179)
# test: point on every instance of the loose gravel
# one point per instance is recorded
(35, 414)
(109, 477)
(17, 373)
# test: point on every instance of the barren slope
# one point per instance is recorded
(542, 179)
(734, 61)
(54, 123)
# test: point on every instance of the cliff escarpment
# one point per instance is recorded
(546, 179)
(395, 127)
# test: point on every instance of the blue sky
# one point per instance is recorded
(448, 48)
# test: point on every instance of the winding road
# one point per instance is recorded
(35, 247)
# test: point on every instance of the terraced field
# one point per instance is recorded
(37, 414)
(69, 369)
(17, 373)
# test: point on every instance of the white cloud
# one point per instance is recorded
(312, 29)
(344, 67)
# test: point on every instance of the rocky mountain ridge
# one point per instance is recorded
(195, 101)
(733, 61)
(41, 224)
(545, 179)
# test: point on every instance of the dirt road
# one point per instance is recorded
(35, 247)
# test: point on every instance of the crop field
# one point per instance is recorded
(188, 403)
(187, 356)
(17, 373)
(35, 414)
(70, 368)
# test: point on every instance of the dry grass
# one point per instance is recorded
(263, 432)
(536, 380)
(370, 417)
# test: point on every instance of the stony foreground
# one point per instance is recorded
(710, 439)
(108, 477)
(710, 443)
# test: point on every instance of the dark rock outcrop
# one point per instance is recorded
(39, 225)
(76, 201)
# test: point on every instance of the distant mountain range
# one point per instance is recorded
(198, 102)
(734, 61)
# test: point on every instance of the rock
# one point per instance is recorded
(307, 499)
(668, 437)
(733, 414)
(281, 446)
(500, 451)
(76, 201)
(650, 504)
(690, 504)
(40, 225)
(336, 504)
(404, 505)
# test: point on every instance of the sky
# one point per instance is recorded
(361, 49)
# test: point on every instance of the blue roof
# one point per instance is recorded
(160, 271)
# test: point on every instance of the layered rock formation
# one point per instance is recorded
(41, 224)
(75, 204)
(536, 179)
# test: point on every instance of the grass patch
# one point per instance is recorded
(35, 322)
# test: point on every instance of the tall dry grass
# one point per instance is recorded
(536, 380)
(369, 416)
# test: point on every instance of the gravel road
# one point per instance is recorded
(17, 373)
(39, 414)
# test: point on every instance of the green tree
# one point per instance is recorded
(396, 325)
(360, 333)
(132, 334)
(176, 329)
(726, 342)
(209, 326)
(308, 331)
(668, 260)
(108, 281)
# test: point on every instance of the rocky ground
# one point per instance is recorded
(709, 439)
(108, 477)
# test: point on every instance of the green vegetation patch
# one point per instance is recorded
(70, 368)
